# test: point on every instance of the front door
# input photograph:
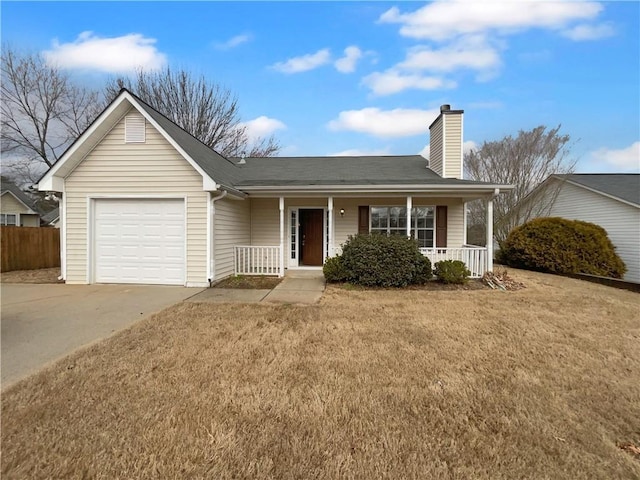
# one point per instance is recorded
(311, 236)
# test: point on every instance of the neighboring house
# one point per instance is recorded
(143, 201)
(16, 207)
(51, 219)
(611, 200)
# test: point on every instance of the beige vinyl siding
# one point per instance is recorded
(232, 227)
(265, 221)
(9, 204)
(153, 168)
(453, 151)
(620, 220)
(435, 146)
(27, 220)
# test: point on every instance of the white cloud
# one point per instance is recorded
(392, 81)
(304, 62)
(262, 126)
(622, 160)
(442, 20)
(347, 64)
(113, 55)
(234, 42)
(472, 52)
(355, 152)
(385, 123)
(589, 32)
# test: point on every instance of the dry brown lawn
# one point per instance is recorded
(42, 275)
(539, 383)
(249, 282)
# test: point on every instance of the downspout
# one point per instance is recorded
(211, 264)
(62, 210)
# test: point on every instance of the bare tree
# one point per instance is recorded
(42, 113)
(524, 161)
(206, 110)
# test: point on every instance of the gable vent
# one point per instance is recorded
(134, 128)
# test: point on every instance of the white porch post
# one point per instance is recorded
(464, 224)
(281, 205)
(490, 234)
(409, 203)
(330, 227)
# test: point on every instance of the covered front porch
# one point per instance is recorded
(301, 232)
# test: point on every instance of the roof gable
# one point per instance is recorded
(13, 190)
(75, 154)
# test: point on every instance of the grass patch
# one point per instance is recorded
(249, 282)
(541, 383)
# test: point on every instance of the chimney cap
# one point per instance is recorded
(445, 108)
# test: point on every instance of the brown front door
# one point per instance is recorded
(311, 236)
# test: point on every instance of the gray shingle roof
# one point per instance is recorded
(363, 170)
(8, 186)
(51, 216)
(300, 171)
(625, 186)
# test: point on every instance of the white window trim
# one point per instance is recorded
(414, 218)
(4, 223)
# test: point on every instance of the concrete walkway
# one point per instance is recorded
(43, 323)
(298, 286)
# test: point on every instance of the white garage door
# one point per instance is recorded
(139, 241)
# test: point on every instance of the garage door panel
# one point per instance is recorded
(139, 241)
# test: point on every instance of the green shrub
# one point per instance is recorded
(384, 261)
(557, 245)
(451, 271)
(334, 270)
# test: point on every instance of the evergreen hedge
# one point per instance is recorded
(558, 245)
(379, 261)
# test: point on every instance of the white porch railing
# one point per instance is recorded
(475, 258)
(256, 260)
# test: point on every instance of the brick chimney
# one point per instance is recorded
(445, 143)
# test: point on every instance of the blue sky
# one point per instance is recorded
(368, 77)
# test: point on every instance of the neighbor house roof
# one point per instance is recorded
(22, 197)
(624, 186)
(51, 217)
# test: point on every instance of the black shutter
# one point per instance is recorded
(363, 219)
(441, 226)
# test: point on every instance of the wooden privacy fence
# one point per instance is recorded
(29, 248)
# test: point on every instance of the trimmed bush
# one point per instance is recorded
(334, 270)
(381, 261)
(452, 271)
(557, 245)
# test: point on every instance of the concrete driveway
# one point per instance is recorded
(43, 323)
